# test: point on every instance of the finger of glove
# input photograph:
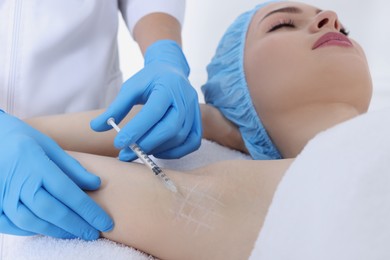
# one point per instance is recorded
(178, 137)
(46, 207)
(127, 155)
(35, 168)
(7, 227)
(25, 223)
(65, 191)
(130, 94)
(70, 166)
(191, 144)
(150, 114)
(164, 130)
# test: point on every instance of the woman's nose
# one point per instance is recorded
(325, 20)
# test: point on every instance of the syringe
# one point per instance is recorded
(147, 161)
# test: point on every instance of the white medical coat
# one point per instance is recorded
(59, 56)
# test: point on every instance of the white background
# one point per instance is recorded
(206, 21)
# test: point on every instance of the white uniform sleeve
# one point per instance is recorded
(134, 10)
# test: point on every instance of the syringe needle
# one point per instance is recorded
(147, 161)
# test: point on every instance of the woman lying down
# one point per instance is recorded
(282, 73)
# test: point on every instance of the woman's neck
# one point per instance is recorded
(291, 131)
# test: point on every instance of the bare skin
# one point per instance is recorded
(154, 27)
(216, 215)
(68, 129)
(213, 202)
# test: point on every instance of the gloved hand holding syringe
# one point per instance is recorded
(147, 161)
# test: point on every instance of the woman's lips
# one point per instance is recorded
(332, 39)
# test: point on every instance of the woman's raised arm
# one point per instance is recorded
(217, 213)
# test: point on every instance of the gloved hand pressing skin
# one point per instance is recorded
(169, 124)
(39, 187)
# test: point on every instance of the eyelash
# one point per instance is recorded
(290, 24)
(281, 24)
(344, 31)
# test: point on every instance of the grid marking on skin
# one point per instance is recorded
(207, 212)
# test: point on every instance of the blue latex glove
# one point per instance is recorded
(169, 124)
(39, 187)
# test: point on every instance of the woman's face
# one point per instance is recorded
(297, 55)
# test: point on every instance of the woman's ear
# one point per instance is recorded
(219, 129)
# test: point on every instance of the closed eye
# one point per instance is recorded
(284, 23)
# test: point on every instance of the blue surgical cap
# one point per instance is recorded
(227, 89)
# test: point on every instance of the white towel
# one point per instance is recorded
(334, 201)
(42, 248)
(46, 248)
